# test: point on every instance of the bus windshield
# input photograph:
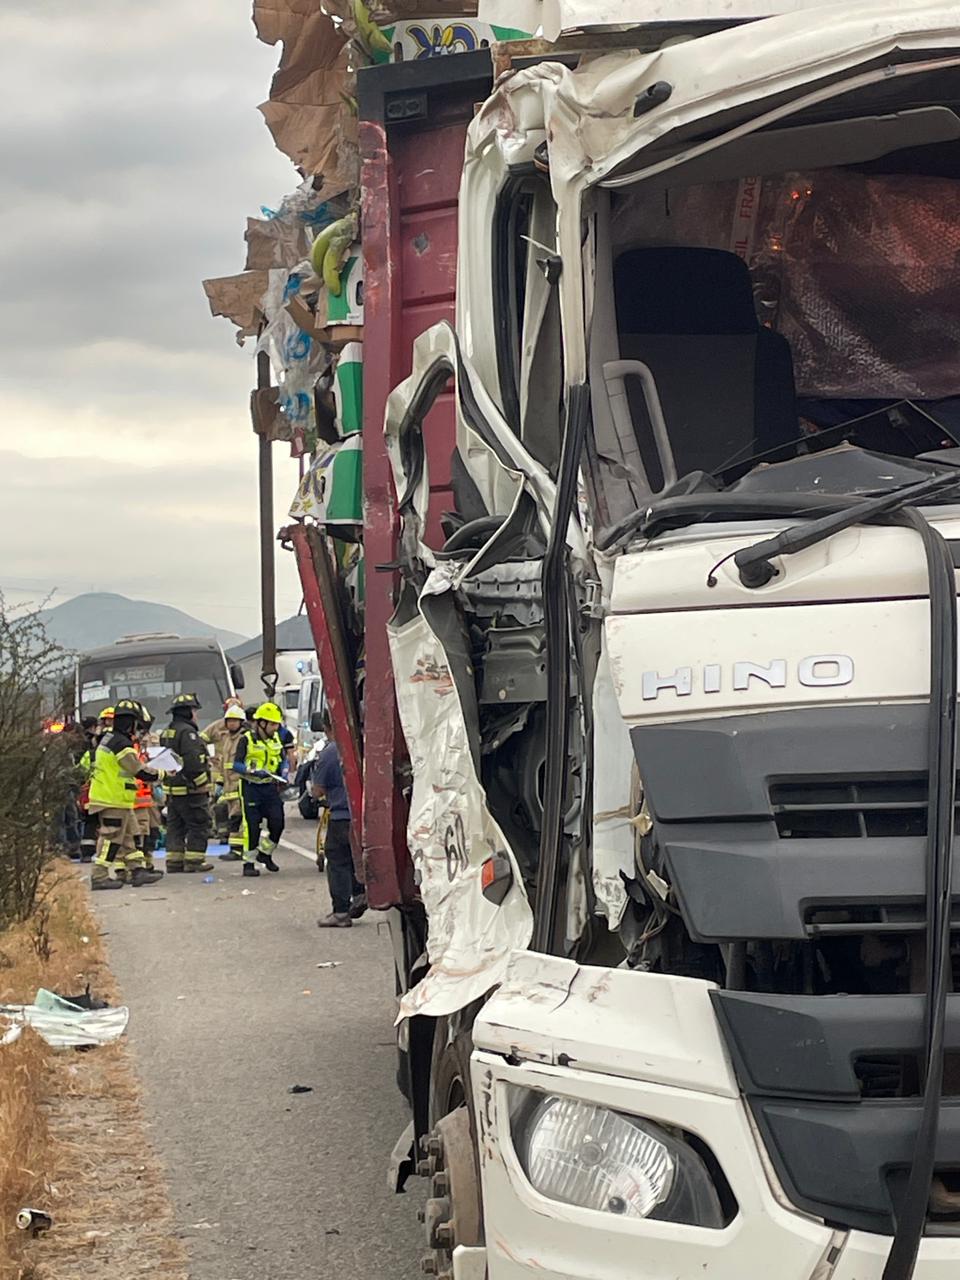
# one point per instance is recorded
(154, 679)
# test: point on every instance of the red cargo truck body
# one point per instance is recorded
(413, 122)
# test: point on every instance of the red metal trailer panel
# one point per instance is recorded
(413, 119)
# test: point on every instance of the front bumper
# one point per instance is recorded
(594, 1034)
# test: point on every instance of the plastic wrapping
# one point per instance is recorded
(297, 357)
(61, 1023)
(860, 273)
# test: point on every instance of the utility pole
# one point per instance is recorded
(268, 607)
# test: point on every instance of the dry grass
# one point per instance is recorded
(71, 1128)
(24, 1141)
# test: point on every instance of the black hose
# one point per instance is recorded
(556, 618)
(942, 766)
(754, 564)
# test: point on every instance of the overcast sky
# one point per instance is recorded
(131, 153)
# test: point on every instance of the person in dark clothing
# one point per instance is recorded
(347, 895)
(86, 750)
(188, 792)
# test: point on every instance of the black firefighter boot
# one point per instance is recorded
(106, 882)
(251, 869)
(142, 876)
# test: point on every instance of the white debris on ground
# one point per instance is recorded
(62, 1024)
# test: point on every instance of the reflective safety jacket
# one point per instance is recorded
(254, 752)
(224, 744)
(144, 798)
(113, 784)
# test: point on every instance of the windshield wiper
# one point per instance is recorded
(754, 563)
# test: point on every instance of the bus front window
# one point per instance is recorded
(155, 681)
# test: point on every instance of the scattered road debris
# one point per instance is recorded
(65, 1025)
(34, 1220)
(329, 964)
(300, 1088)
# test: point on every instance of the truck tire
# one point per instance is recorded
(449, 1071)
(452, 1215)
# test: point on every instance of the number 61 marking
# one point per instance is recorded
(455, 847)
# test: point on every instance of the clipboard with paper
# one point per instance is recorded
(164, 760)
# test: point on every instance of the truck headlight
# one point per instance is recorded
(600, 1159)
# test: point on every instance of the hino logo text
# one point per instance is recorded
(822, 670)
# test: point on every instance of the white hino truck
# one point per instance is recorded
(678, 677)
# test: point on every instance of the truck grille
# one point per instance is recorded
(898, 1075)
(850, 808)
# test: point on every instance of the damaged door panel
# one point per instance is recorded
(466, 607)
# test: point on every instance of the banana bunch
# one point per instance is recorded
(330, 248)
(368, 33)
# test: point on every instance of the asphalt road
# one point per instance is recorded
(228, 1011)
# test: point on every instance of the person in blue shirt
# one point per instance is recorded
(347, 896)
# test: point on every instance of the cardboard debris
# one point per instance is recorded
(331, 333)
(265, 415)
(317, 132)
(310, 41)
(238, 298)
(305, 112)
(276, 242)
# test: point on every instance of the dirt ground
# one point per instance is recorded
(80, 1120)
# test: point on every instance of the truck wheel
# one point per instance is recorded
(449, 1070)
(451, 1215)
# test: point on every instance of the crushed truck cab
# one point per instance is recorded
(675, 660)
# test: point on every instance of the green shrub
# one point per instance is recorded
(36, 767)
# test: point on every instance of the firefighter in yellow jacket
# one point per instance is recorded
(113, 792)
(260, 763)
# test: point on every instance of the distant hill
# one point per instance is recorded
(100, 617)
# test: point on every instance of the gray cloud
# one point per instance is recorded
(133, 152)
(86, 523)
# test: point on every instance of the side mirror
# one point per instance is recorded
(236, 675)
(316, 722)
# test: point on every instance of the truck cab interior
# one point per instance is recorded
(791, 290)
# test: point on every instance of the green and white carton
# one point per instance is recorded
(348, 388)
(348, 307)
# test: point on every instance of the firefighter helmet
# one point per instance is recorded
(269, 711)
(186, 700)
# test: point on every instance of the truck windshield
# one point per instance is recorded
(753, 320)
(153, 679)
